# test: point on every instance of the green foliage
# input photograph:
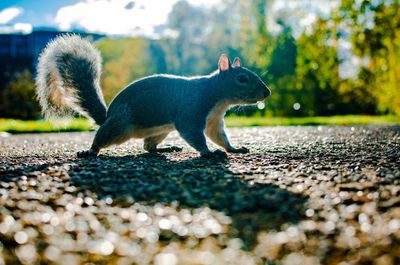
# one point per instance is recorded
(125, 60)
(303, 70)
(376, 37)
(281, 76)
(317, 70)
(22, 126)
(317, 120)
(41, 126)
(257, 44)
(18, 97)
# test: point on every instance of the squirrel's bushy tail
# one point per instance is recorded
(68, 79)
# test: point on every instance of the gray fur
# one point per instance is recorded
(68, 79)
(148, 108)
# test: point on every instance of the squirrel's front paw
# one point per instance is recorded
(86, 153)
(216, 154)
(241, 150)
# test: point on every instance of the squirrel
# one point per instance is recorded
(68, 80)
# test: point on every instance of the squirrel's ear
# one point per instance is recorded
(224, 63)
(236, 62)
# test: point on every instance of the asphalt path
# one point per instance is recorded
(303, 195)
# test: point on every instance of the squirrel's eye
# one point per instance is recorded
(242, 78)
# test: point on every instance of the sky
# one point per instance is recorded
(114, 17)
(121, 17)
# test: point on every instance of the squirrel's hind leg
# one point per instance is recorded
(150, 144)
(113, 131)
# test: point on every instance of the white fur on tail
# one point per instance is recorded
(58, 95)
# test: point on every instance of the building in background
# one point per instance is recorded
(29, 46)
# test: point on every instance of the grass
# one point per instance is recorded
(331, 120)
(19, 126)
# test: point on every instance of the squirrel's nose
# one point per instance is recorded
(267, 92)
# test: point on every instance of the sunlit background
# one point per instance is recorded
(318, 57)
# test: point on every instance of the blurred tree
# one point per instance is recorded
(281, 75)
(11, 65)
(317, 71)
(18, 98)
(191, 26)
(223, 36)
(375, 34)
(125, 60)
(262, 39)
(158, 56)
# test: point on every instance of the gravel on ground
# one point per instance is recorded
(303, 195)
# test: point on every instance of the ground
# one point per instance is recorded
(303, 195)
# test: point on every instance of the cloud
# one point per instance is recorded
(118, 17)
(8, 14)
(24, 28)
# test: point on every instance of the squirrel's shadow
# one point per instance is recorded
(192, 183)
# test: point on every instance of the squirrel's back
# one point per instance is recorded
(157, 99)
